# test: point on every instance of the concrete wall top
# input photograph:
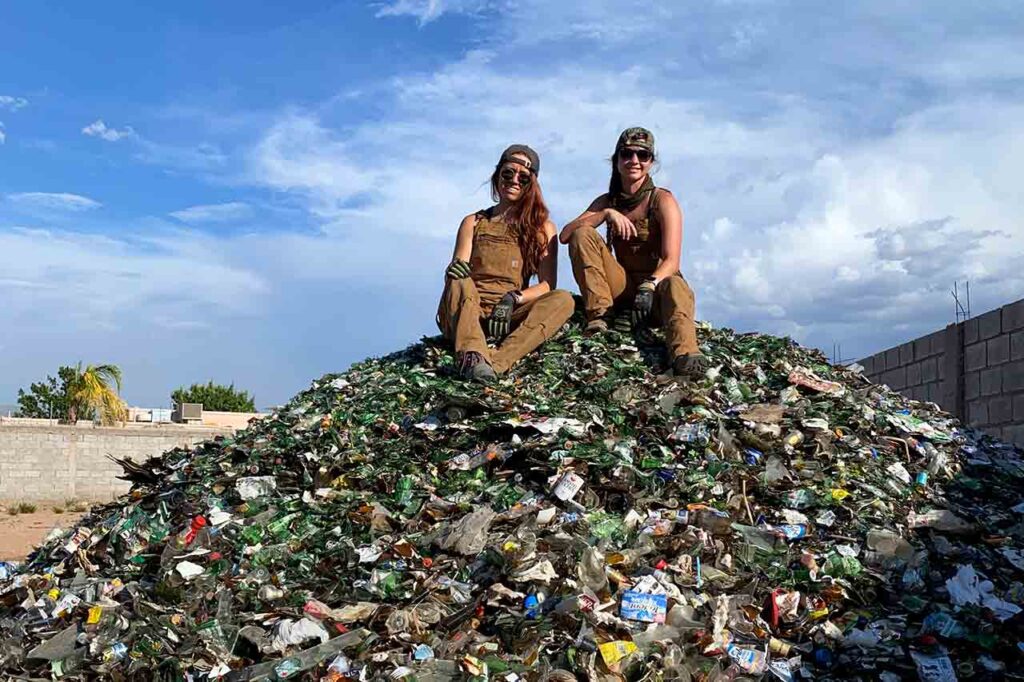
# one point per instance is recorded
(131, 430)
(974, 370)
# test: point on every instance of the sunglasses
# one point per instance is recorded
(510, 174)
(642, 155)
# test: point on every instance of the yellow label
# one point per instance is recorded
(54, 594)
(820, 613)
(613, 652)
(95, 613)
(473, 665)
(838, 494)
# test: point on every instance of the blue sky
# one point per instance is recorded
(256, 193)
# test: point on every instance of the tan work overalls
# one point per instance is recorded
(497, 268)
(608, 281)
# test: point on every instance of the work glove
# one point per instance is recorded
(499, 324)
(643, 303)
(459, 269)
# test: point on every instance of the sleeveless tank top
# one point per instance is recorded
(640, 255)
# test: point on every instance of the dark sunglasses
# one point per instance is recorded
(510, 174)
(642, 155)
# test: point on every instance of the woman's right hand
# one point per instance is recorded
(621, 226)
(459, 269)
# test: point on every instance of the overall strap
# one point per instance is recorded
(650, 204)
(482, 214)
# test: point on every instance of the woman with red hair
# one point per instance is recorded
(497, 251)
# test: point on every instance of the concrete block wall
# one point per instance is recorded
(974, 370)
(994, 372)
(43, 462)
(916, 369)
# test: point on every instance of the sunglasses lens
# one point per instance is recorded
(508, 175)
(642, 155)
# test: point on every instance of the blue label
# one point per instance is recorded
(649, 608)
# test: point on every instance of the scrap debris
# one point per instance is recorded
(587, 517)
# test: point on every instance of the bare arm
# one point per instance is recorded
(671, 218)
(547, 277)
(464, 240)
(595, 214)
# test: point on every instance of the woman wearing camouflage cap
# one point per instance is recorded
(497, 251)
(645, 229)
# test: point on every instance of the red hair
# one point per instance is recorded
(527, 216)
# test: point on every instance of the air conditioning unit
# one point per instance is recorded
(186, 413)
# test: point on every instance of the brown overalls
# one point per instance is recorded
(497, 268)
(608, 281)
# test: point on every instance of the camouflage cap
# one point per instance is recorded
(636, 137)
(533, 165)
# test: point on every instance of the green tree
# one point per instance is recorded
(76, 393)
(216, 397)
(93, 392)
(49, 398)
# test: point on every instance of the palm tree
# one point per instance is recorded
(92, 392)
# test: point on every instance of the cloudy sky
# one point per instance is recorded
(250, 192)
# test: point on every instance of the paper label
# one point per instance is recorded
(649, 608)
(568, 485)
(613, 652)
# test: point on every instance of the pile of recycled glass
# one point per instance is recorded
(588, 517)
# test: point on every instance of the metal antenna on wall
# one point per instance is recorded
(837, 355)
(962, 313)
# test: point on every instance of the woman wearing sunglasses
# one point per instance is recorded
(497, 251)
(645, 229)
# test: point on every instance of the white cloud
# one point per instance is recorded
(3, 136)
(202, 157)
(886, 226)
(214, 213)
(298, 154)
(12, 103)
(429, 10)
(104, 281)
(53, 201)
(99, 129)
(792, 217)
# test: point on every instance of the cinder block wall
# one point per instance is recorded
(916, 369)
(974, 370)
(41, 462)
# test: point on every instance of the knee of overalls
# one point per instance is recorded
(675, 283)
(464, 287)
(581, 236)
(563, 304)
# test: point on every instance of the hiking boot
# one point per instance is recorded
(690, 366)
(598, 325)
(474, 367)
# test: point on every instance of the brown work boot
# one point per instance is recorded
(690, 366)
(598, 325)
(474, 367)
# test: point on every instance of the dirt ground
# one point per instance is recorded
(20, 534)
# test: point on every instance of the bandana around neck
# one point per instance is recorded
(625, 201)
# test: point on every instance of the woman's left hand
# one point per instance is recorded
(499, 324)
(643, 302)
